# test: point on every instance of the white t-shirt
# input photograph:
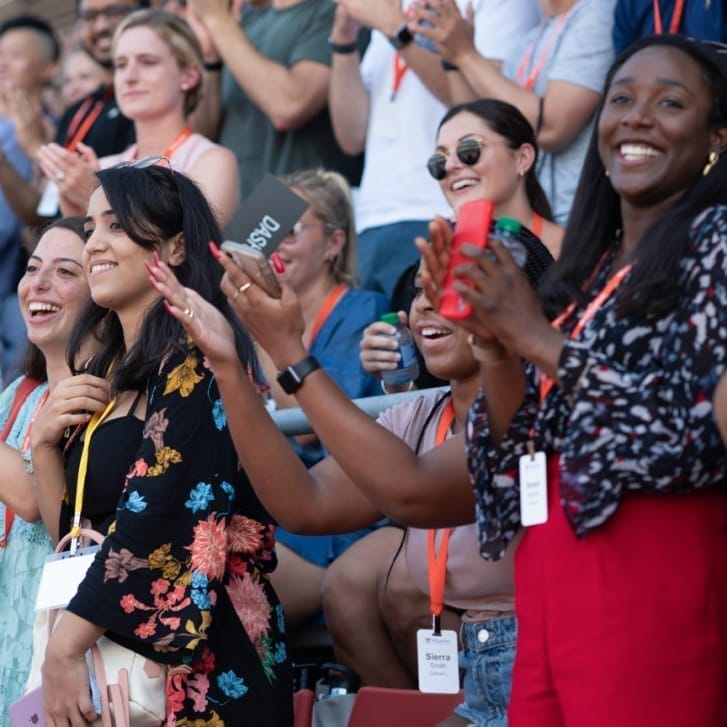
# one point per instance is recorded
(401, 133)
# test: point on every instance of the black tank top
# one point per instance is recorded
(112, 452)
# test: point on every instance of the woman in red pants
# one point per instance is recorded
(621, 589)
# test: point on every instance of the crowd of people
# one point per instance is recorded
(570, 470)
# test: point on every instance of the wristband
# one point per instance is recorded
(449, 66)
(342, 48)
(213, 65)
(291, 377)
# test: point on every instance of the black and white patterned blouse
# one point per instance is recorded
(634, 411)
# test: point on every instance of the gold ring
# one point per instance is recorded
(189, 313)
(241, 289)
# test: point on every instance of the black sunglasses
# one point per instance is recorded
(468, 152)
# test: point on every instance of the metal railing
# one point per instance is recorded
(294, 421)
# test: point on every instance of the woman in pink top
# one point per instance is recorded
(158, 83)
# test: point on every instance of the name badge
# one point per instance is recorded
(438, 662)
(533, 489)
(50, 201)
(61, 576)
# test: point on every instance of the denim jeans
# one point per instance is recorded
(488, 652)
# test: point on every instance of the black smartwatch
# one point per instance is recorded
(291, 377)
(402, 37)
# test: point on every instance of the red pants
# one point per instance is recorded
(628, 626)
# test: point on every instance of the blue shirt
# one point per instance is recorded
(634, 19)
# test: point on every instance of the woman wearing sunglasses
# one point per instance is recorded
(182, 576)
(487, 149)
(158, 83)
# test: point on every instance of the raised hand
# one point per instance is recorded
(442, 22)
(73, 172)
(378, 350)
(73, 401)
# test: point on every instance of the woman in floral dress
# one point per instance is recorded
(182, 576)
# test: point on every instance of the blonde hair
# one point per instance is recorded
(178, 36)
(329, 196)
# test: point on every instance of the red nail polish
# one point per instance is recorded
(278, 264)
(215, 250)
(155, 258)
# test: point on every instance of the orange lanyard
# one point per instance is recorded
(546, 383)
(9, 514)
(529, 81)
(80, 126)
(437, 562)
(537, 224)
(181, 137)
(328, 305)
(400, 68)
(676, 17)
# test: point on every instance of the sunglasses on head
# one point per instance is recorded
(468, 151)
(152, 161)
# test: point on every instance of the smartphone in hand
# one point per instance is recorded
(253, 263)
(473, 227)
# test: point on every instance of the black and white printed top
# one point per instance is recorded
(634, 410)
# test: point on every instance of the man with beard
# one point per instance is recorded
(96, 120)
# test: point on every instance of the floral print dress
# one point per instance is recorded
(634, 410)
(182, 575)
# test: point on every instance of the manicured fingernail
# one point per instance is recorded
(278, 264)
(167, 306)
(215, 250)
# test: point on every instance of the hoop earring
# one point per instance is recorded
(712, 159)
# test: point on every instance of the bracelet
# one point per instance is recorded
(447, 66)
(213, 65)
(386, 391)
(342, 48)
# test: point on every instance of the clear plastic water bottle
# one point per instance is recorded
(507, 231)
(407, 368)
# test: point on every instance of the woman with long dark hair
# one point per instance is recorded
(620, 408)
(182, 576)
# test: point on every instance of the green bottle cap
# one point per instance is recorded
(391, 318)
(508, 224)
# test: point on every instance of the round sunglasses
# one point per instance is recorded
(468, 151)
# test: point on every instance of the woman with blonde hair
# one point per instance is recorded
(158, 83)
(319, 258)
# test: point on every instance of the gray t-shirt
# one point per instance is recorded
(579, 51)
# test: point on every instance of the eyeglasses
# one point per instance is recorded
(152, 161)
(112, 13)
(300, 227)
(468, 151)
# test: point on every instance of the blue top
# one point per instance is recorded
(21, 562)
(633, 19)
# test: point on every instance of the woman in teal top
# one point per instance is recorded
(51, 294)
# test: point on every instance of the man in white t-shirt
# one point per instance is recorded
(389, 106)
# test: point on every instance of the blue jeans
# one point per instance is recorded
(385, 252)
(488, 652)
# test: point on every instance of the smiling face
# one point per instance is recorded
(53, 290)
(495, 175)
(147, 77)
(98, 21)
(114, 263)
(654, 134)
(444, 346)
(81, 76)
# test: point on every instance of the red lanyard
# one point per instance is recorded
(400, 68)
(546, 383)
(9, 514)
(529, 81)
(676, 17)
(437, 562)
(83, 120)
(328, 305)
(181, 137)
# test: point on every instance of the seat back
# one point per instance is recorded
(303, 708)
(379, 707)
